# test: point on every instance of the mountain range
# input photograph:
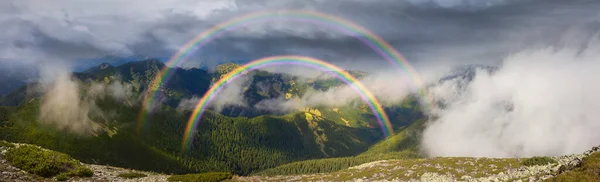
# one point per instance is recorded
(94, 116)
(238, 139)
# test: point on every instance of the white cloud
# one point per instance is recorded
(540, 102)
(67, 103)
(473, 4)
(389, 88)
(62, 105)
(229, 95)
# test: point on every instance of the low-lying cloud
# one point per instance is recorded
(388, 87)
(63, 107)
(230, 95)
(539, 102)
(67, 105)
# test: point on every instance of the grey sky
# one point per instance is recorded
(426, 31)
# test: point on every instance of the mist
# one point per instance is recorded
(389, 87)
(540, 102)
(230, 95)
(68, 102)
(62, 105)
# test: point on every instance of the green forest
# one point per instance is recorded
(241, 144)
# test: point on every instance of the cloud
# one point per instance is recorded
(432, 34)
(230, 95)
(70, 30)
(461, 4)
(120, 91)
(63, 107)
(68, 103)
(540, 102)
(389, 88)
(188, 104)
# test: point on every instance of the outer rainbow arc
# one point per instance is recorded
(364, 35)
(366, 95)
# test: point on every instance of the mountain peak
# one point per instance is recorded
(104, 66)
(226, 68)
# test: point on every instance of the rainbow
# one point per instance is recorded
(347, 27)
(365, 94)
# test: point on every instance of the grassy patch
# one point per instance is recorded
(62, 177)
(80, 171)
(46, 163)
(453, 166)
(6, 144)
(408, 169)
(132, 175)
(332, 164)
(588, 171)
(538, 161)
(5, 114)
(209, 177)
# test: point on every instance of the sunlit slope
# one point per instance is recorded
(221, 143)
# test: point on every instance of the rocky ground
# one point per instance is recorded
(441, 169)
(429, 169)
(9, 173)
(108, 173)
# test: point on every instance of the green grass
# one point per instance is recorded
(407, 139)
(332, 164)
(62, 177)
(538, 161)
(45, 163)
(204, 177)
(413, 168)
(81, 172)
(6, 144)
(132, 175)
(237, 144)
(403, 145)
(588, 171)
(408, 169)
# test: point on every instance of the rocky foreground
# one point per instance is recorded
(442, 169)
(429, 169)
(102, 173)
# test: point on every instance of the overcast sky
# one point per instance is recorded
(425, 31)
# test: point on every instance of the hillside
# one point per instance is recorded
(577, 167)
(222, 143)
(192, 83)
(241, 140)
(321, 143)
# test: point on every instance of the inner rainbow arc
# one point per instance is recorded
(365, 94)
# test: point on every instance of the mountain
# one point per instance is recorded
(467, 72)
(139, 74)
(241, 140)
(14, 75)
(240, 145)
(339, 143)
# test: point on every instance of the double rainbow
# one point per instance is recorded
(324, 20)
(364, 93)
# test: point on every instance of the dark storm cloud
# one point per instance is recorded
(454, 29)
(468, 32)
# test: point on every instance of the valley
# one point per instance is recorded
(244, 142)
(309, 144)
